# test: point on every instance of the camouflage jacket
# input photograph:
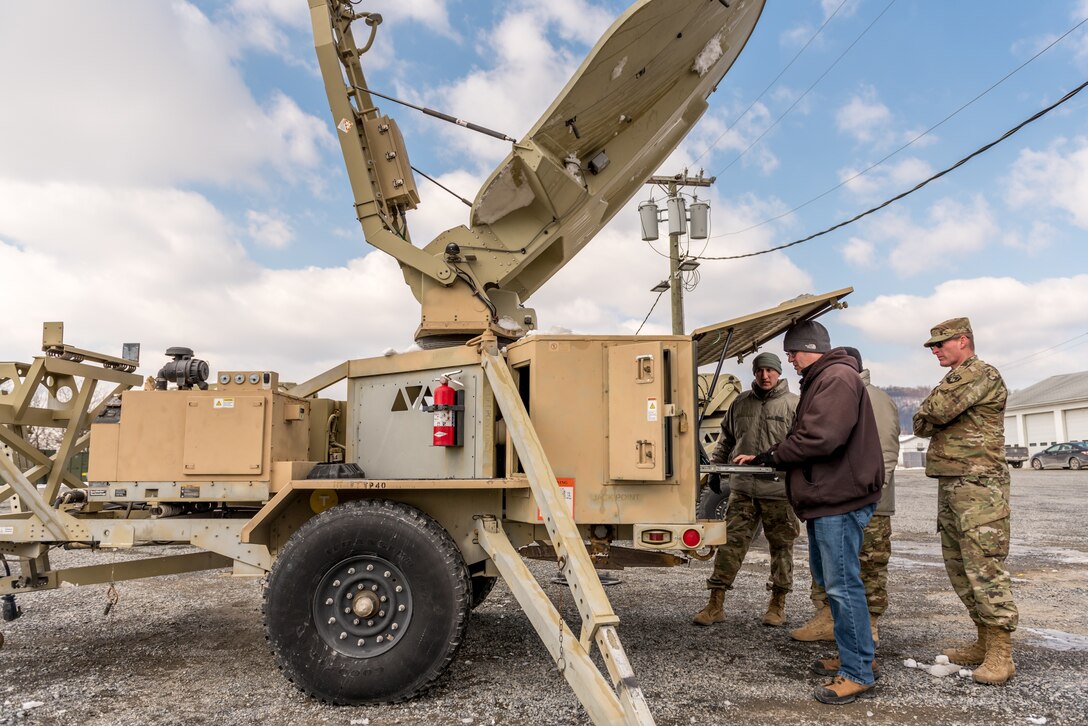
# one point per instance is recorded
(754, 423)
(964, 416)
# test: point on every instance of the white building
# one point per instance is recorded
(912, 451)
(1055, 410)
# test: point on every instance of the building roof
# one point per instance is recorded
(1056, 389)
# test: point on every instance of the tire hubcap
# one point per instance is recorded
(362, 606)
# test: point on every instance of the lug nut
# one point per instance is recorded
(400, 608)
(351, 570)
(394, 626)
(370, 568)
(332, 620)
(336, 583)
(343, 636)
(399, 588)
(387, 573)
(329, 601)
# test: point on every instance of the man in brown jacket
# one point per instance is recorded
(835, 474)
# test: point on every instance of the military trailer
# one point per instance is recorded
(381, 520)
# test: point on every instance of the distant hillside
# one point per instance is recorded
(908, 400)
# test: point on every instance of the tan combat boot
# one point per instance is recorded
(997, 666)
(820, 627)
(776, 610)
(712, 613)
(969, 654)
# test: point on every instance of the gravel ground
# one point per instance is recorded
(190, 648)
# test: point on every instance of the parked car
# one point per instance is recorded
(1072, 455)
(1016, 455)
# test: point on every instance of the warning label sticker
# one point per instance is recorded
(7, 530)
(566, 488)
(651, 409)
(223, 403)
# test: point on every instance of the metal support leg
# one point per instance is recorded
(598, 618)
(574, 663)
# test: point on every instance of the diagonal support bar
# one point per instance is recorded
(591, 688)
(598, 618)
(29, 498)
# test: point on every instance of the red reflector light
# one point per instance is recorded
(657, 536)
(692, 538)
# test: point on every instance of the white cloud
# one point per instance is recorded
(164, 105)
(952, 231)
(714, 134)
(865, 118)
(859, 252)
(161, 267)
(1011, 319)
(726, 289)
(526, 69)
(269, 229)
(890, 177)
(1053, 179)
(1034, 241)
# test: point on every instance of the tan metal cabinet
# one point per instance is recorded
(636, 415)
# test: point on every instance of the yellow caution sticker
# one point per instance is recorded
(322, 499)
(223, 403)
(651, 409)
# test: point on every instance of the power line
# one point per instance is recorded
(651, 311)
(916, 187)
(1021, 361)
(932, 128)
(771, 84)
(807, 90)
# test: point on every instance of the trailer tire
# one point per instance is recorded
(1017, 464)
(342, 648)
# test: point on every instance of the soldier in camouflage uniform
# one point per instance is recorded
(876, 545)
(964, 416)
(756, 421)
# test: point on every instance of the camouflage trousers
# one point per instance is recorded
(876, 550)
(973, 521)
(781, 528)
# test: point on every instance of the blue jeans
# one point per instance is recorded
(833, 546)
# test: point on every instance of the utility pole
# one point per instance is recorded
(676, 229)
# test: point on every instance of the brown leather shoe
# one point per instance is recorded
(842, 690)
(831, 666)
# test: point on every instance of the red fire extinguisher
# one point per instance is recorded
(445, 398)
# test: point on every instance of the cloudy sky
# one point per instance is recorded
(169, 174)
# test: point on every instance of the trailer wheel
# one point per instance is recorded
(366, 603)
(1017, 464)
(712, 505)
